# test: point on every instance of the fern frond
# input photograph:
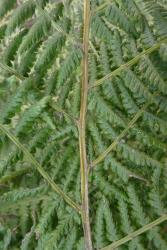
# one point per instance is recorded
(14, 104)
(127, 99)
(5, 6)
(31, 114)
(118, 18)
(110, 88)
(140, 158)
(52, 47)
(136, 233)
(126, 226)
(142, 218)
(155, 123)
(71, 63)
(12, 199)
(100, 29)
(152, 75)
(130, 63)
(20, 15)
(6, 237)
(154, 195)
(26, 61)
(45, 220)
(38, 166)
(27, 239)
(12, 48)
(13, 175)
(36, 33)
(104, 223)
(137, 208)
(83, 83)
(102, 108)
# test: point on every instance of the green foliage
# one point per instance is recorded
(126, 125)
(39, 29)
(69, 65)
(29, 116)
(6, 6)
(22, 13)
(13, 47)
(104, 227)
(14, 104)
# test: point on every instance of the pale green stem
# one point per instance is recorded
(82, 130)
